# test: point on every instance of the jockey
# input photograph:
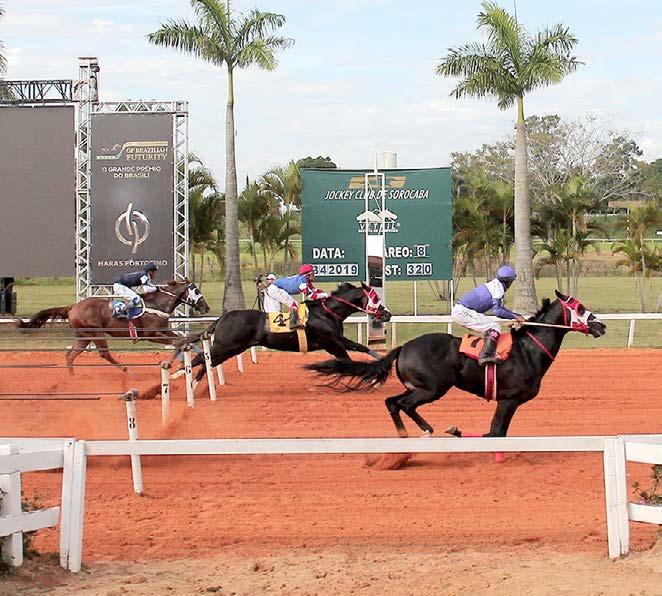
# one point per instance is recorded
(130, 285)
(284, 288)
(470, 308)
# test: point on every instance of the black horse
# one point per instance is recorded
(238, 330)
(429, 365)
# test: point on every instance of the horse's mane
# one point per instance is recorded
(344, 286)
(544, 309)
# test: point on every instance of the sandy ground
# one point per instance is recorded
(330, 524)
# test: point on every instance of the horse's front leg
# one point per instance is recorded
(502, 417)
(353, 346)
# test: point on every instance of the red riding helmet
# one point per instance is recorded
(305, 269)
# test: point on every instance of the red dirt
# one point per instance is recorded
(259, 505)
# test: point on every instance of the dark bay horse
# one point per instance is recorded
(92, 317)
(429, 365)
(238, 330)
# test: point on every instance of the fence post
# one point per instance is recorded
(165, 392)
(65, 511)
(77, 506)
(253, 354)
(618, 532)
(206, 347)
(240, 363)
(220, 375)
(631, 332)
(359, 333)
(132, 422)
(394, 334)
(10, 504)
(188, 371)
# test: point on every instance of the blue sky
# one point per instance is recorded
(359, 78)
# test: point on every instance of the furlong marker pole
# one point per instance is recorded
(240, 363)
(220, 374)
(190, 399)
(132, 422)
(208, 366)
(165, 392)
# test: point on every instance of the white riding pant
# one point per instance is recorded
(124, 292)
(281, 296)
(473, 320)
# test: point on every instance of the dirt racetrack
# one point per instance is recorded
(330, 524)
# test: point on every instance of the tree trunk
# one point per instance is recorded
(202, 269)
(525, 293)
(233, 297)
(559, 282)
(193, 264)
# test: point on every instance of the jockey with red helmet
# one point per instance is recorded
(284, 288)
(470, 308)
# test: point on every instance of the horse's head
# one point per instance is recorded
(195, 299)
(186, 292)
(570, 312)
(364, 298)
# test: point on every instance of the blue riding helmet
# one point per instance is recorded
(506, 273)
(151, 267)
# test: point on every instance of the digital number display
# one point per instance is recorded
(336, 269)
(414, 269)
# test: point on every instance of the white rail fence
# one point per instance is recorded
(24, 455)
(18, 456)
(362, 323)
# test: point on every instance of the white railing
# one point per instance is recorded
(73, 456)
(30, 455)
(362, 323)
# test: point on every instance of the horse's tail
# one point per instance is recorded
(352, 375)
(39, 320)
(191, 339)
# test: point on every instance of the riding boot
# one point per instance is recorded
(294, 320)
(488, 354)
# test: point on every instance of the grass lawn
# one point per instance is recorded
(600, 294)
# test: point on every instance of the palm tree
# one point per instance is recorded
(222, 38)
(509, 65)
(284, 186)
(254, 206)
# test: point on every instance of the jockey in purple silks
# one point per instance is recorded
(284, 288)
(470, 308)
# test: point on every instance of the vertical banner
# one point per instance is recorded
(131, 195)
(415, 219)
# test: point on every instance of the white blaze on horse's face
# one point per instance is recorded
(193, 295)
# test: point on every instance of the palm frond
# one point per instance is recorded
(185, 37)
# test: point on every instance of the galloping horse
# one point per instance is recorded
(238, 330)
(429, 365)
(93, 316)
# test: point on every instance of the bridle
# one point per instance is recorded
(578, 322)
(186, 301)
(371, 297)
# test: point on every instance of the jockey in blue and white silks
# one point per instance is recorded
(283, 289)
(470, 309)
(142, 281)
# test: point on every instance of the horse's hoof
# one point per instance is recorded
(453, 430)
(426, 434)
(376, 385)
(125, 369)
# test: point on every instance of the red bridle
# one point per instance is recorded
(370, 297)
(571, 305)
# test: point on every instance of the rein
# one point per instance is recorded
(540, 345)
(187, 302)
(343, 301)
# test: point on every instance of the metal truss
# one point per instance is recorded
(31, 93)
(87, 90)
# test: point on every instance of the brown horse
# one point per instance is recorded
(92, 317)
